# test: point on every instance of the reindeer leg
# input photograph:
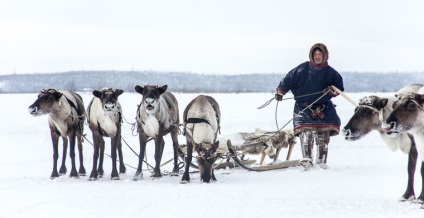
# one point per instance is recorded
(100, 170)
(174, 136)
(186, 175)
(81, 170)
(421, 197)
(73, 172)
(114, 144)
(62, 170)
(122, 168)
(409, 194)
(143, 141)
(94, 173)
(213, 175)
(262, 158)
(55, 141)
(159, 144)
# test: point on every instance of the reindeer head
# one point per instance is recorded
(151, 94)
(48, 101)
(109, 99)
(365, 119)
(407, 113)
(205, 159)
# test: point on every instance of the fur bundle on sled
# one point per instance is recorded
(260, 142)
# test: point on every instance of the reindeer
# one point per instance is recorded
(408, 117)
(157, 115)
(104, 119)
(370, 114)
(66, 114)
(201, 125)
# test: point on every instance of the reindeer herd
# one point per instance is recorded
(399, 119)
(157, 115)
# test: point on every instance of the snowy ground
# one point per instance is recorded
(365, 179)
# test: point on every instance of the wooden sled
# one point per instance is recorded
(282, 165)
(233, 156)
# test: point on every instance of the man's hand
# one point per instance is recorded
(279, 96)
(329, 90)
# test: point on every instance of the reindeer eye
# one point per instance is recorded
(410, 106)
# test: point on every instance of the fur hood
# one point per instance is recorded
(325, 54)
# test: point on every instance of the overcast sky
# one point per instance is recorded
(209, 36)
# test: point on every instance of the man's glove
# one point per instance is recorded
(329, 90)
(279, 95)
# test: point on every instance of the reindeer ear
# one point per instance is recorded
(57, 95)
(383, 102)
(138, 89)
(97, 93)
(163, 89)
(420, 98)
(216, 145)
(119, 92)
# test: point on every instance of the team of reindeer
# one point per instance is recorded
(399, 119)
(157, 115)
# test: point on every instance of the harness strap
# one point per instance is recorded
(194, 120)
(197, 120)
(74, 107)
(380, 112)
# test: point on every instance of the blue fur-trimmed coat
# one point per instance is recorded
(306, 79)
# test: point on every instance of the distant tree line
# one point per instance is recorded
(191, 82)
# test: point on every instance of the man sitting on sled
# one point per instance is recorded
(315, 118)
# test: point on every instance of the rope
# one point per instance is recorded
(145, 161)
(276, 121)
(107, 153)
(133, 126)
(300, 96)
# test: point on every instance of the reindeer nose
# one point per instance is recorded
(109, 106)
(32, 110)
(346, 132)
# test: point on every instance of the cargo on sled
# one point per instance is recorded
(234, 148)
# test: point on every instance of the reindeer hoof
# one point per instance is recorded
(54, 175)
(115, 178)
(405, 198)
(156, 175)
(122, 170)
(73, 174)
(184, 182)
(92, 179)
(62, 170)
(82, 171)
(175, 173)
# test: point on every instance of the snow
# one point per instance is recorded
(365, 178)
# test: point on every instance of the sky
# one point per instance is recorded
(209, 36)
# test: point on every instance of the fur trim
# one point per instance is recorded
(325, 54)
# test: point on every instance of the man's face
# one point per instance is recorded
(318, 57)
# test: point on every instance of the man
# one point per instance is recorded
(314, 120)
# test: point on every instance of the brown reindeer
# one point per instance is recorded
(408, 117)
(157, 115)
(370, 114)
(104, 119)
(66, 114)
